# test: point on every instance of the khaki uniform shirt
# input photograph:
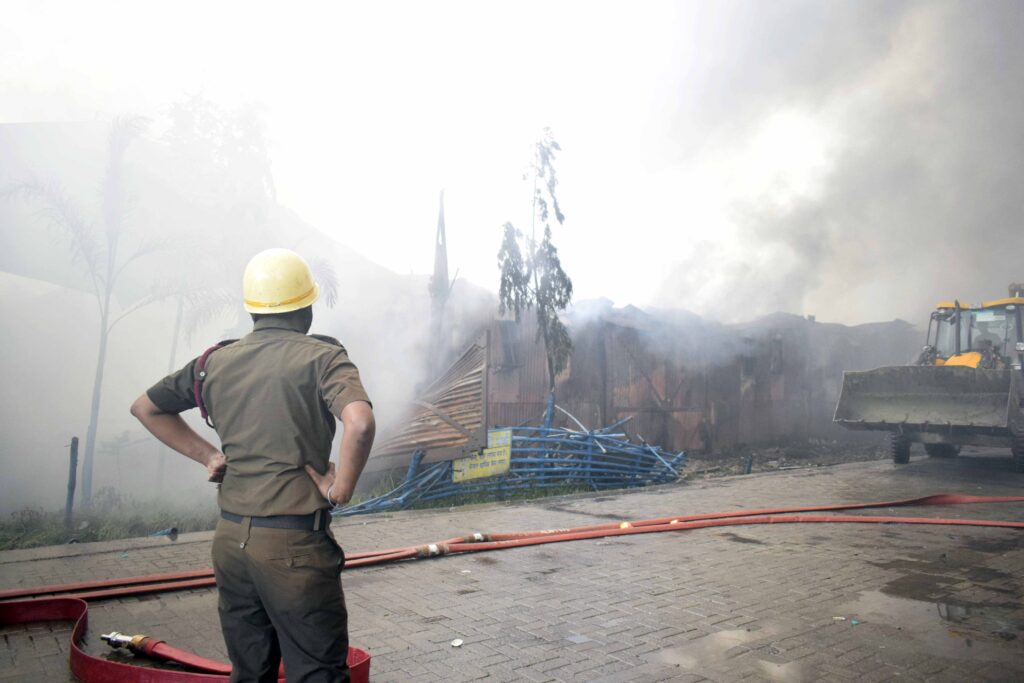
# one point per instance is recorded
(273, 396)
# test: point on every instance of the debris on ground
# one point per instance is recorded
(800, 454)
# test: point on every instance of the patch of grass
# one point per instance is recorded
(111, 517)
(114, 517)
(387, 483)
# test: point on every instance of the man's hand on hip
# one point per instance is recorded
(324, 482)
(216, 466)
(173, 432)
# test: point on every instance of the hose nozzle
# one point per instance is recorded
(117, 640)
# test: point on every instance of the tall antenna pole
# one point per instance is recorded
(439, 290)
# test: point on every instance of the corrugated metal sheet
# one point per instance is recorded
(516, 414)
(517, 389)
(447, 421)
(687, 383)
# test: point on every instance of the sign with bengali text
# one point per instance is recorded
(489, 462)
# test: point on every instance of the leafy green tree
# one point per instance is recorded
(531, 272)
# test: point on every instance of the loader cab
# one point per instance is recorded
(998, 327)
(989, 335)
(944, 328)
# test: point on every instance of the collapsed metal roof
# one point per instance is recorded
(448, 419)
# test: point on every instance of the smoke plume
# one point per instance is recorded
(919, 195)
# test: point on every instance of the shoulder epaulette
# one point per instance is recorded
(330, 340)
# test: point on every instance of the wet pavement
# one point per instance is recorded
(815, 602)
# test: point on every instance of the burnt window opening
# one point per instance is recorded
(509, 332)
(748, 360)
(775, 357)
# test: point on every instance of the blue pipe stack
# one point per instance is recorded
(541, 458)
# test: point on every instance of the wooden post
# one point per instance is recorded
(72, 480)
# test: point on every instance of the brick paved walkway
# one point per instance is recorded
(777, 603)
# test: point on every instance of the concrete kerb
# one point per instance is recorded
(71, 550)
(68, 550)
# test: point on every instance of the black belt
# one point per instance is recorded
(314, 521)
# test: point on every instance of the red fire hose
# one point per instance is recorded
(92, 669)
(66, 601)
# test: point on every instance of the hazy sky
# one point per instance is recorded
(732, 158)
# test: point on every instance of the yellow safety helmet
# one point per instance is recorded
(278, 281)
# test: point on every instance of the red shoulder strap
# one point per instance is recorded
(199, 377)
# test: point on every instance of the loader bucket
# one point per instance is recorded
(930, 398)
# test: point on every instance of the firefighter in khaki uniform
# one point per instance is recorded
(273, 397)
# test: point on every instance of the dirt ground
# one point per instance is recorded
(795, 455)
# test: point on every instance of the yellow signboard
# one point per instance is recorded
(489, 462)
(499, 437)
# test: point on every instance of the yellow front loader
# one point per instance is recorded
(967, 387)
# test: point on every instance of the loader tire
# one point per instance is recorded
(900, 449)
(1018, 452)
(941, 450)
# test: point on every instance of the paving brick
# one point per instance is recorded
(696, 605)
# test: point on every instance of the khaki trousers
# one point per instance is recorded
(280, 596)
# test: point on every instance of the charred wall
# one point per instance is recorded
(687, 383)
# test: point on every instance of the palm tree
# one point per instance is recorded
(101, 253)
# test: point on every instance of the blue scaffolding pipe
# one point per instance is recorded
(541, 458)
